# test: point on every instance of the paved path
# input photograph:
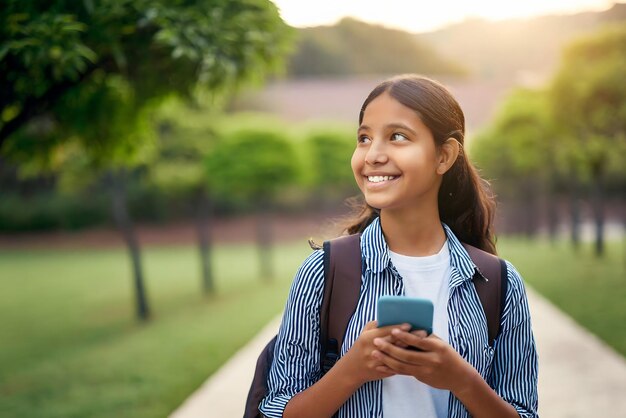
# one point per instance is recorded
(579, 376)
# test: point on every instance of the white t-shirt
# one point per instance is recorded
(424, 277)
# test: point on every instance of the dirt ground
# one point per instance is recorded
(229, 230)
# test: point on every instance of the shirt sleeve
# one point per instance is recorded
(296, 355)
(515, 367)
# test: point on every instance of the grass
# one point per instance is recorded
(591, 290)
(70, 344)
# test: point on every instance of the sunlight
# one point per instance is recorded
(413, 17)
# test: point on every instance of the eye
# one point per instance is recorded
(398, 137)
(363, 139)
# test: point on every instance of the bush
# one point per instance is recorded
(251, 166)
(51, 211)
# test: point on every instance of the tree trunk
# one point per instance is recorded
(124, 223)
(623, 210)
(553, 214)
(598, 212)
(264, 242)
(552, 204)
(529, 205)
(574, 204)
(203, 226)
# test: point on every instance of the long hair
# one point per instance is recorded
(466, 202)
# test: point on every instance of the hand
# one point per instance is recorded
(359, 361)
(437, 364)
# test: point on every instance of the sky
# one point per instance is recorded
(421, 16)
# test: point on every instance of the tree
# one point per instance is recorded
(520, 150)
(254, 165)
(589, 100)
(329, 153)
(157, 47)
(185, 137)
(78, 77)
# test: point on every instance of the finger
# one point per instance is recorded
(393, 364)
(420, 333)
(386, 331)
(403, 327)
(413, 339)
(393, 340)
(396, 352)
(386, 371)
(417, 339)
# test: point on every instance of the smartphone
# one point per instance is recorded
(395, 310)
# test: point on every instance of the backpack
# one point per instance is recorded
(342, 284)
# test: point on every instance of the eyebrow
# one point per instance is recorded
(394, 125)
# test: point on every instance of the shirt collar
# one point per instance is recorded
(376, 252)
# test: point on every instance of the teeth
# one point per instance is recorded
(378, 179)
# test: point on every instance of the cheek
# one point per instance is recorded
(357, 164)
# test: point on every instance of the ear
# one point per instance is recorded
(448, 154)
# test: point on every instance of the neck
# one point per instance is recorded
(414, 233)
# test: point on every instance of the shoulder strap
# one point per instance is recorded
(490, 281)
(342, 285)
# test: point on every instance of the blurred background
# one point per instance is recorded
(162, 165)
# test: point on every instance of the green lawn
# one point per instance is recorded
(591, 290)
(70, 346)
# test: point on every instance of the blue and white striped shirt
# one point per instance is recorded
(510, 367)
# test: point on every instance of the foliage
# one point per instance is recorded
(354, 47)
(50, 211)
(521, 143)
(330, 158)
(589, 99)
(252, 165)
(83, 72)
(185, 134)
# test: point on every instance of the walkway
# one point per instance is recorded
(579, 376)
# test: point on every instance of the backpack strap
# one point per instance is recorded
(490, 281)
(342, 285)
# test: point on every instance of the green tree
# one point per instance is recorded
(185, 138)
(589, 100)
(329, 165)
(79, 77)
(254, 165)
(520, 152)
(157, 47)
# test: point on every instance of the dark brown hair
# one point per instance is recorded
(466, 203)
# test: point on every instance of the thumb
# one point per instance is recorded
(370, 325)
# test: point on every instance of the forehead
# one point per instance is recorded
(385, 109)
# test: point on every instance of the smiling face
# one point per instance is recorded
(396, 163)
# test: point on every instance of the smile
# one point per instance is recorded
(380, 179)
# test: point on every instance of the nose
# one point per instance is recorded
(376, 153)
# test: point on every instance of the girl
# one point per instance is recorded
(422, 199)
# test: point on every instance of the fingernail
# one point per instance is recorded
(406, 327)
(421, 334)
(378, 341)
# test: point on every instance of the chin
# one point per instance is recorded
(376, 204)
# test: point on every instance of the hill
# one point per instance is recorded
(352, 47)
(521, 50)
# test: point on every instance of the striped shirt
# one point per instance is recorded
(510, 367)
